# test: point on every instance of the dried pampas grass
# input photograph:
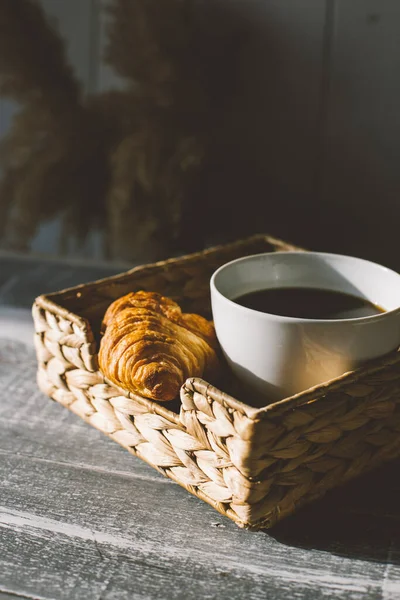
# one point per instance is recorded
(125, 161)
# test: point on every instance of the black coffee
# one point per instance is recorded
(309, 303)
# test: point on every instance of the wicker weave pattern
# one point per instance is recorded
(164, 443)
(253, 465)
(283, 461)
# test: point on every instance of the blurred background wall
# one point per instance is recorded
(310, 144)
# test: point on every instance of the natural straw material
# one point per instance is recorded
(253, 465)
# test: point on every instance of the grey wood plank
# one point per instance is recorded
(21, 281)
(66, 488)
(16, 324)
(5, 596)
(13, 596)
(41, 564)
(110, 514)
(33, 425)
(67, 567)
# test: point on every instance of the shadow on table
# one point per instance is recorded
(360, 520)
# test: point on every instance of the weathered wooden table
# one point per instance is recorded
(80, 518)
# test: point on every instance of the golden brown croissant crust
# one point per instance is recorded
(150, 347)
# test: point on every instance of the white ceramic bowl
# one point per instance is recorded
(280, 356)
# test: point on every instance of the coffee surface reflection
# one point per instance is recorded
(309, 303)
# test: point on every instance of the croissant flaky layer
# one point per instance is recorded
(150, 347)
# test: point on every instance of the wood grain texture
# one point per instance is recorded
(162, 532)
(66, 513)
(81, 518)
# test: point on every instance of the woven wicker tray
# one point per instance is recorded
(253, 465)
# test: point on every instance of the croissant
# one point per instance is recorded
(150, 347)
